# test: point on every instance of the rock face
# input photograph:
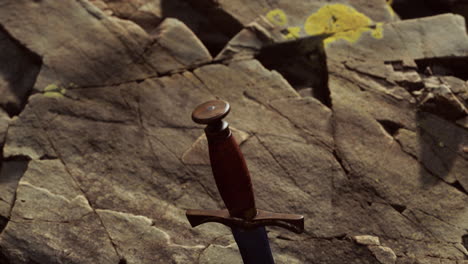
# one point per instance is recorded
(363, 132)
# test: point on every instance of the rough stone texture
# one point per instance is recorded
(249, 41)
(130, 53)
(101, 167)
(213, 253)
(124, 228)
(176, 39)
(445, 96)
(54, 213)
(211, 24)
(384, 255)
(373, 105)
(297, 12)
(432, 37)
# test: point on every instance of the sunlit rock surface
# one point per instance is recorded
(345, 113)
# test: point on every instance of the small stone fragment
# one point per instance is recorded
(367, 240)
(384, 255)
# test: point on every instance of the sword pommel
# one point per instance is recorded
(211, 112)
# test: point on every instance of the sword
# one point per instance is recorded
(235, 187)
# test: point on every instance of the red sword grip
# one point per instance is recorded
(228, 165)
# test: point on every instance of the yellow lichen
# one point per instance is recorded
(378, 31)
(389, 8)
(293, 33)
(51, 87)
(53, 94)
(277, 17)
(55, 91)
(342, 21)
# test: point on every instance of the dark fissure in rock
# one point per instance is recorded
(3, 258)
(399, 66)
(459, 187)
(123, 261)
(212, 25)
(303, 64)
(398, 207)
(3, 223)
(47, 157)
(340, 161)
(390, 126)
(18, 158)
(465, 241)
(456, 67)
(19, 71)
(408, 9)
(12, 169)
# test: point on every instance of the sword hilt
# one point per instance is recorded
(227, 162)
(232, 177)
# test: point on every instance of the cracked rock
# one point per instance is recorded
(212, 25)
(213, 253)
(56, 199)
(115, 159)
(425, 35)
(129, 52)
(54, 210)
(83, 241)
(123, 228)
(176, 38)
(74, 43)
(439, 150)
(445, 96)
(425, 153)
(26, 137)
(251, 39)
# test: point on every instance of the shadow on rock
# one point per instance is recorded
(440, 150)
(212, 25)
(18, 73)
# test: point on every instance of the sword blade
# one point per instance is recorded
(253, 245)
